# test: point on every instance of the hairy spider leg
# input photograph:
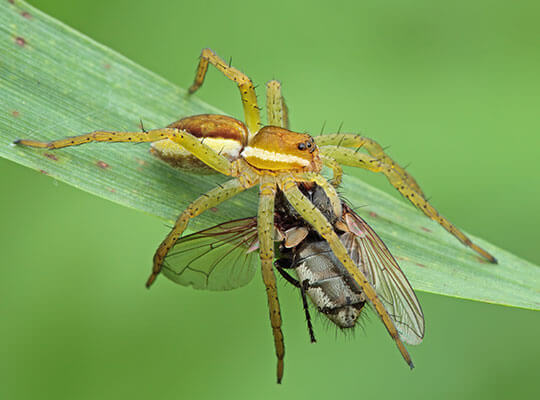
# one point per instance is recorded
(247, 90)
(373, 148)
(265, 227)
(316, 219)
(96, 136)
(278, 113)
(208, 200)
(355, 159)
(191, 143)
(337, 171)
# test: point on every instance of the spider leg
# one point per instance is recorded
(191, 143)
(405, 185)
(199, 149)
(372, 147)
(337, 171)
(265, 227)
(247, 90)
(208, 200)
(316, 219)
(278, 113)
(97, 136)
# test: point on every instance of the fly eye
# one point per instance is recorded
(301, 146)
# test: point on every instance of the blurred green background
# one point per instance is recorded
(453, 88)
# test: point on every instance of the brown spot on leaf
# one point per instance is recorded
(51, 156)
(107, 66)
(112, 190)
(26, 15)
(373, 214)
(11, 1)
(102, 164)
(481, 260)
(15, 113)
(421, 265)
(426, 229)
(214, 209)
(20, 41)
(140, 162)
(43, 172)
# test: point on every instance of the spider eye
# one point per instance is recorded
(308, 145)
(301, 146)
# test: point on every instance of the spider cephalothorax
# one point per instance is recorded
(276, 149)
(276, 159)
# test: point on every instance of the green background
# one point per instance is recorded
(452, 88)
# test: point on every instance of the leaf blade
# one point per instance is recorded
(55, 82)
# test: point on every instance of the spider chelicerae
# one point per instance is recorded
(278, 160)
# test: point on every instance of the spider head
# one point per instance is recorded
(279, 149)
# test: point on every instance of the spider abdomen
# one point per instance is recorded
(224, 134)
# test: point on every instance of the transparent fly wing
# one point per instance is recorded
(372, 256)
(218, 258)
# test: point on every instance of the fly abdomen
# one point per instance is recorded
(318, 271)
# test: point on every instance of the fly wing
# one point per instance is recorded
(218, 258)
(372, 256)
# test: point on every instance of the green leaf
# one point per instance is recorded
(55, 82)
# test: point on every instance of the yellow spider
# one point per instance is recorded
(276, 159)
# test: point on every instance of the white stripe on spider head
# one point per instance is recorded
(273, 156)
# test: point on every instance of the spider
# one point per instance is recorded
(277, 160)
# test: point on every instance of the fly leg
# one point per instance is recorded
(247, 90)
(304, 286)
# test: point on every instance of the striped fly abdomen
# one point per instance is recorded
(323, 277)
